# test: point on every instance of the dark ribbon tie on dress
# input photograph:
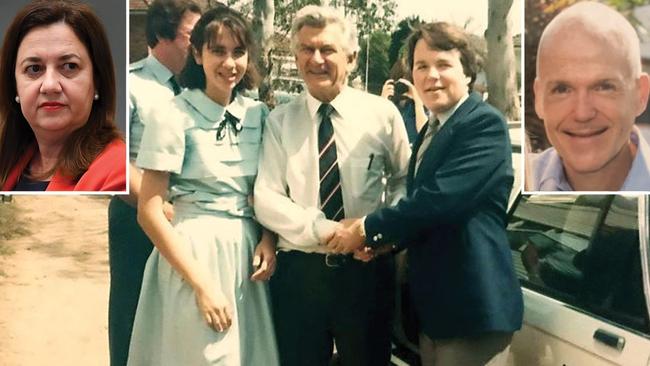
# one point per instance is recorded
(228, 120)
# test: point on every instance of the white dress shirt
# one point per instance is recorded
(371, 143)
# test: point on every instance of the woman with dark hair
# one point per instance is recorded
(57, 102)
(203, 300)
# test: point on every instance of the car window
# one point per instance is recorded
(584, 251)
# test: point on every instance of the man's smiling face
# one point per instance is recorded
(587, 96)
(322, 61)
(438, 77)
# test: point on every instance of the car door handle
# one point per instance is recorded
(610, 339)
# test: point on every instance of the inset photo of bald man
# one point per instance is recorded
(586, 92)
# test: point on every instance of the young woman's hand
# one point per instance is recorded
(215, 309)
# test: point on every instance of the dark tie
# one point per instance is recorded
(331, 197)
(175, 86)
(432, 129)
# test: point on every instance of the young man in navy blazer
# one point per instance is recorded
(453, 219)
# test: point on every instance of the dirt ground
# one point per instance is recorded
(54, 288)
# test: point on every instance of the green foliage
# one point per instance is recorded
(623, 5)
(369, 16)
(285, 11)
(378, 15)
(378, 64)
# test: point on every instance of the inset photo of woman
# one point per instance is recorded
(61, 112)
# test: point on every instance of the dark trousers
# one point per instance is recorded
(128, 251)
(315, 305)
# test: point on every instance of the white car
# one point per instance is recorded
(583, 264)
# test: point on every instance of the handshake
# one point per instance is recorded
(345, 237)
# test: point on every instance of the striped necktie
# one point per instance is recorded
(432, 129)
(331, 197)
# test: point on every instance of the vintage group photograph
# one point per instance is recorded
(325, 183)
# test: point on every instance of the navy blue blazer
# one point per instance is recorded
(453, 221)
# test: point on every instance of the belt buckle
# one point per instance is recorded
(334, 260)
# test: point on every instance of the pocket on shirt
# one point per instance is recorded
(366, 178)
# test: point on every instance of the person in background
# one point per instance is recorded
(203, 299)
(152, 83)
(400, 90)
(57, 103)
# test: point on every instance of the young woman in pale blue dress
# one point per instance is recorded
(204, 300)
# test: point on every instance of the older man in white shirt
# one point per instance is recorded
(323, 159)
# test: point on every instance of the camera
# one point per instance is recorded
(400, 88)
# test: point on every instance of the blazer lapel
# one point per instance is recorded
(440, 142)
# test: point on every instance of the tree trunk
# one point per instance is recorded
(501, 69)
(263, 14)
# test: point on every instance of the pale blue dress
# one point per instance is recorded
(210, 182)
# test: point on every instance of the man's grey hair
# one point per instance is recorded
(597, 20)
(321, 16)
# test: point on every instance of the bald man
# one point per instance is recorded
(588, 91)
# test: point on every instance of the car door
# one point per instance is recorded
(583, 266)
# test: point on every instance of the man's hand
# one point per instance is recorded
(326, 230)
(348, 222)
(347, 237)
(366, 254)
